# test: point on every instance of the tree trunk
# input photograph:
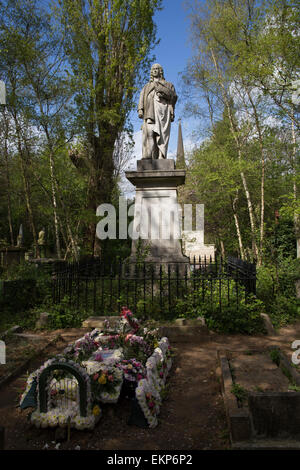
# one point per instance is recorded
(101, 183)
(237, 225)
(222, 249)
(54, 199)
(26, 186)
(296, 216)
(7, 177)
(262, 185)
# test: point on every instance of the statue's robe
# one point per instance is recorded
(158, 112)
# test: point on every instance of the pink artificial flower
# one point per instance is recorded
(151, 404)
(161, 374)
(98, 357)
(110, 378)
(125, 312)
(139, 376)
(95, 377)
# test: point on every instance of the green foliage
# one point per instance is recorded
(38, 276)
(71, 70)
(17, 295)
(288, 273)
(265, 283)
(287, 373)
(22, 289)
(20, 271)
(26, 318)
(245, 319)
(214, 164)
(284, 310)
(240, 393)
(242, 70)
(281, 241)
(237, 313)
(276, 288)
(275, 356)
(65, 316)
(294, 387)
(107, 45)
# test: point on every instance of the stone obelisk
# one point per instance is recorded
(180, 158)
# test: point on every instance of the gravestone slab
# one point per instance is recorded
(194, 246)
(193, 240)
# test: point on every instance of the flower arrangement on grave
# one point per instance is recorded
(110, 341)
(151, 337)
(82, 348)
(62, 398)
(128, 319)
(149, 400)
(136, 347)
(102, 358)
(104, 361)
(106, 384)
(133, 370)
(161, 367)
(149, 390)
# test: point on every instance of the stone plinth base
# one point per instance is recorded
(161, 165)
(157, 225)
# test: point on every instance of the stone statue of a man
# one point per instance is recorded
(156, 107)
(41, 242)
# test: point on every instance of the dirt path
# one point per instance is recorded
(192, 416)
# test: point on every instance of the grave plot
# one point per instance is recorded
(19, 349)
(68, 389)
(261, 391)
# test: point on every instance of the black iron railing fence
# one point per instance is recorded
(103, 287)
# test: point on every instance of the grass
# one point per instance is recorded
(294, 387)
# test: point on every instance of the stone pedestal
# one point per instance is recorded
(11, 255)
(156, 226)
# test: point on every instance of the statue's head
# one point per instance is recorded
(160, 71)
